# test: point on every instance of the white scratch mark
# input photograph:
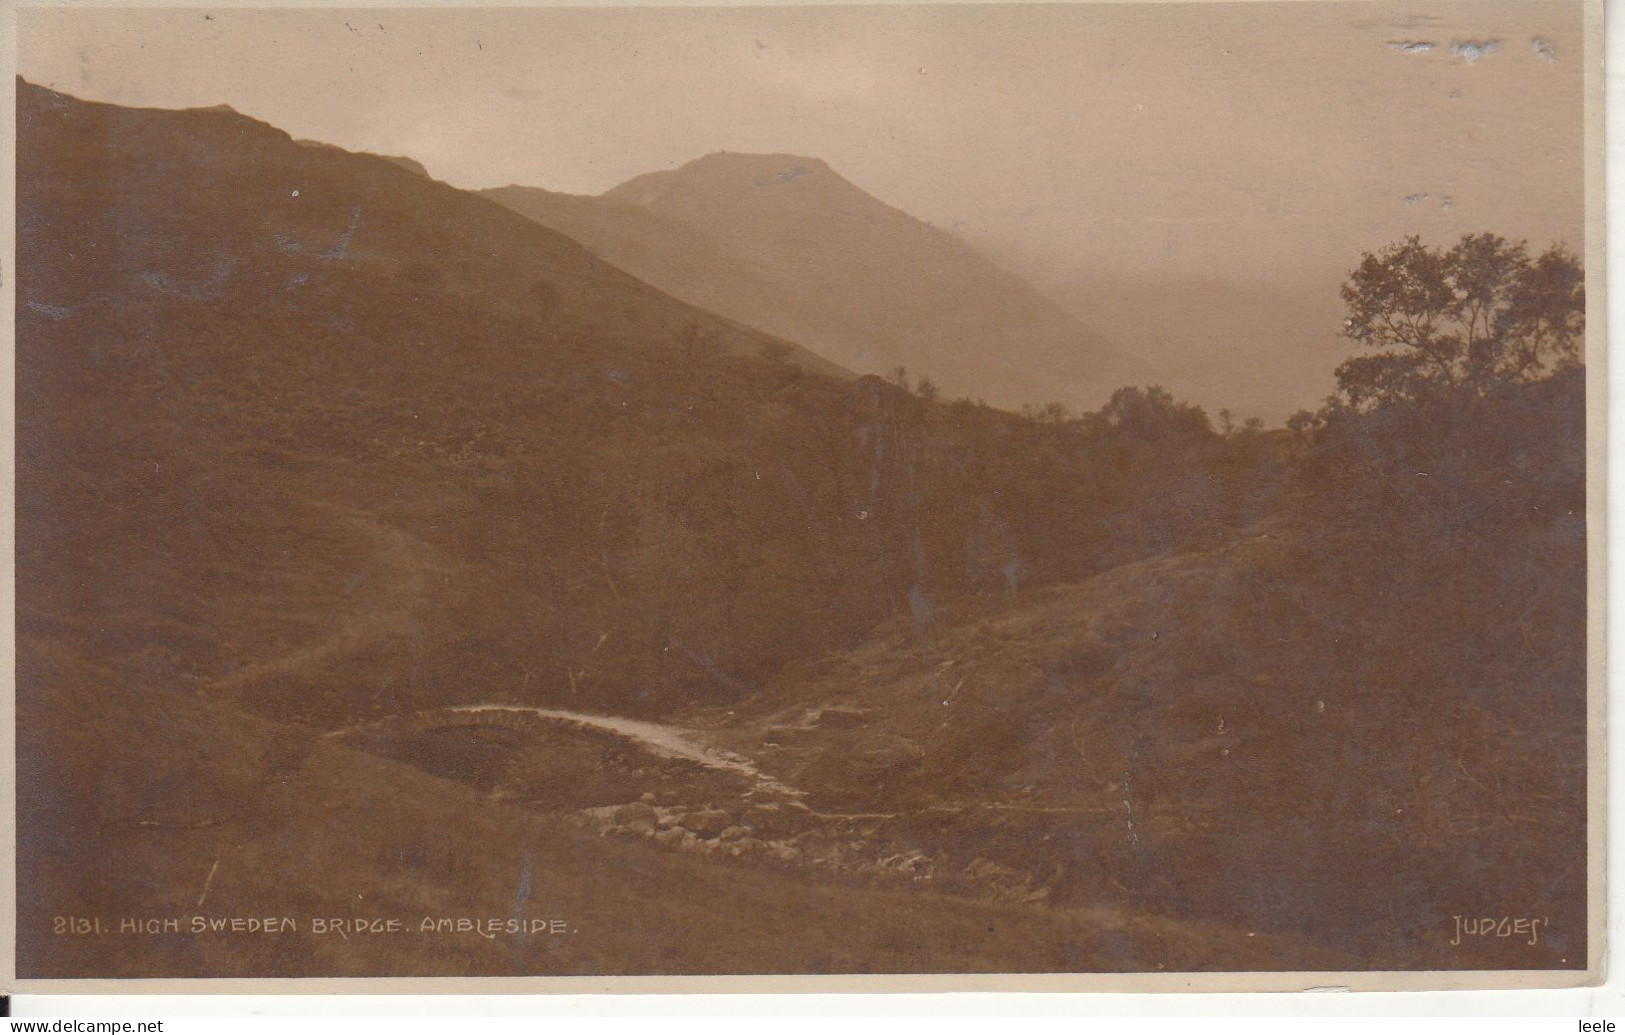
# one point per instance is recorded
(55, 312)
(1128, 813)
(342, 246)
(207, 881)
(1471, 50)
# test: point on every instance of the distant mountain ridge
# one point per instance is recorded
(786, 244)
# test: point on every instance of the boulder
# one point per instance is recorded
(707, 822)
(785, 853)
(774, 821)
(637, 816)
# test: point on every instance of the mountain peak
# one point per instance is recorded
(782, 167)
(784, 243)
(727, 171)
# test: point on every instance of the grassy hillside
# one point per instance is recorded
(1353, 722)
(212, 814)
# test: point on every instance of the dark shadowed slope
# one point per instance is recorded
(281, 404)
(1344, 725)
(787, 244)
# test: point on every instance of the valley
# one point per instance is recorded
(387, 551)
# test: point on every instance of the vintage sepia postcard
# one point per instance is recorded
(926, 496)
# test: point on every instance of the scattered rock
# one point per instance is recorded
(733, 833)
(785, 852)
(706, 823)
(910, 863)
(636, 814)
(774, 821)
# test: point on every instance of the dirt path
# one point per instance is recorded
(402, 569)
(658, 738)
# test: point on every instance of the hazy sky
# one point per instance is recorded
(1262, 140)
